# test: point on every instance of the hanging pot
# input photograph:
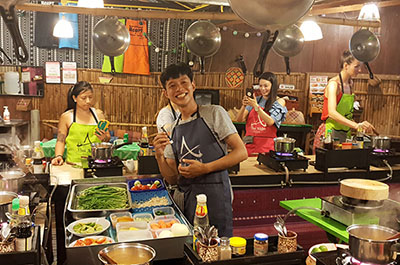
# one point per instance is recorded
(111, 37)
(203, 39)
(271, 14)
(7, 10)
(365, 47)
(289, 43)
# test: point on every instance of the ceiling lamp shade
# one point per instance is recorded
(63, 29)
(311, 30)
(91, 3)
(369, 12)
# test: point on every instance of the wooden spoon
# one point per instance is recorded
(107, 258)
(394, 237)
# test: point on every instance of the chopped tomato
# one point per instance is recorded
(88, 241)
(144, 187)
(101, 240)
(153, 186)
(79, 243)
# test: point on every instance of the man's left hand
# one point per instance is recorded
(192, 169)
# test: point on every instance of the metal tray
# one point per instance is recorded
(72, 204)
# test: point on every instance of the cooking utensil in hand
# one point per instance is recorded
(365, 47)
(203, 39)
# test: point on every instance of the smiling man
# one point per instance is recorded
(197, 160)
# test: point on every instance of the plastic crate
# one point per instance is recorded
(150, 181)
(141, 197)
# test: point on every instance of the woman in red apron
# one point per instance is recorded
(264, 115)
(337, 113)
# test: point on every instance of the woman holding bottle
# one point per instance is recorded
(337, 113)
(263, 114)
(77, 128)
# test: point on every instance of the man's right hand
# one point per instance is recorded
(57, 161)
(160, 142)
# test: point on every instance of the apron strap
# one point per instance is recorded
(91, 111)
(173, 110)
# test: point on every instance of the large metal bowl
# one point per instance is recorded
(128, 253)
(6, 198)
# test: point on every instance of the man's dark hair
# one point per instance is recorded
(175, 71)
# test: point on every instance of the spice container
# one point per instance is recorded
(260, 244)
(238, 245)
(224, 249)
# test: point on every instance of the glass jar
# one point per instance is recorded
(260, 244)
(224, 249)
(238, 245)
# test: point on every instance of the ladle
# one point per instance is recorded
(396, 236)
(107, 258)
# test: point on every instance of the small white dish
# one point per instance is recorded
(101, 221)
(97, 240)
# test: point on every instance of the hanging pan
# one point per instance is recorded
(203, 39)
(289, 43)
(111, 37)
(271, 14)
(365, 47)
(7, 10)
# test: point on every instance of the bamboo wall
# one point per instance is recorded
(131, 101)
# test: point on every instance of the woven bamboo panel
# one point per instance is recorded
(132, 101)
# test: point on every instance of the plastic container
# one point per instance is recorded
(260, 244)
(143, 217)
(162, 231)
(163, 212)
(238, 245)
(116, 218)
(150, 181)
(347, 145)
(132, 226)
(125, 236)
(147, 201)
(157, 224)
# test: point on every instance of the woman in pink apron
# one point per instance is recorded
(264, 114)
(337, 112)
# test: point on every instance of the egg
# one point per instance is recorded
(165, 233)
(179, 230)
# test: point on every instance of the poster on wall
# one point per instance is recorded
(318, 84)
(69, 73)
(53, 72)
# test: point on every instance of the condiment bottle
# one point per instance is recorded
(260, 244)
(224, 249)
(238, 245)
(6, 115)
(23, 231)
(328, 144)
(360, 138)
(200, 215)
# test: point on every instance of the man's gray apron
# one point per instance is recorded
(194, 140)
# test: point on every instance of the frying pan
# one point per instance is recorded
(111, 37)
(365, 47)
(289, 43)
(270, 14)
(7, 10)
(203, 39)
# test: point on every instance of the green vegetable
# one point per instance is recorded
(88, 228)
(315, 250)
(159, 212)
(102, 197)
(323, 248)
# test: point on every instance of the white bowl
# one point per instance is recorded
(108, 240)
(101, 221)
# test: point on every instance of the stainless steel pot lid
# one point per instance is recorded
(12, 174)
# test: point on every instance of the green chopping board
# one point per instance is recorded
(327, 224)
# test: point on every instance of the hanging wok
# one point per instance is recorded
(271, 14)
(111, 37)
(365, 47)
(203, 39)
(7, 10)
(289, 43)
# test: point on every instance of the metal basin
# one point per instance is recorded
(12, 180)
(6, 198)
(128, 253)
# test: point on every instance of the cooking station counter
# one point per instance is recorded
(252, 174)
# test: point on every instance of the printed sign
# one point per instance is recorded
(318, 84)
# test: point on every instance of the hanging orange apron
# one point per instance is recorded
(136, 58)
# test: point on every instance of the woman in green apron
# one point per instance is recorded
(337, 112)
(77, 128)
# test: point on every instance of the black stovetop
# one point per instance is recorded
(377, 158)
(339, 257)
(110, 167)
(278, 161)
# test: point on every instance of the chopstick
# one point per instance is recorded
(163, 129)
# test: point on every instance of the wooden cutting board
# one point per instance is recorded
(364, 189)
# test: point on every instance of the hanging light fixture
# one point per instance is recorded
(311, 30)
(91, 3)
(63, 29)
(369, 12)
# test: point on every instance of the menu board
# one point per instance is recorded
(53, 72)
(318, 84)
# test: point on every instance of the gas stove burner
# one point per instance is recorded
(345, 258)
(99, 161)
(356, 203)
(284, 154)
(381, 151)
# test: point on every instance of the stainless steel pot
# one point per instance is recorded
(284, 144)
(12, 180)
(6, 198)
(368, 243)
(128, 253)
(102, 151)
(381, 142)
